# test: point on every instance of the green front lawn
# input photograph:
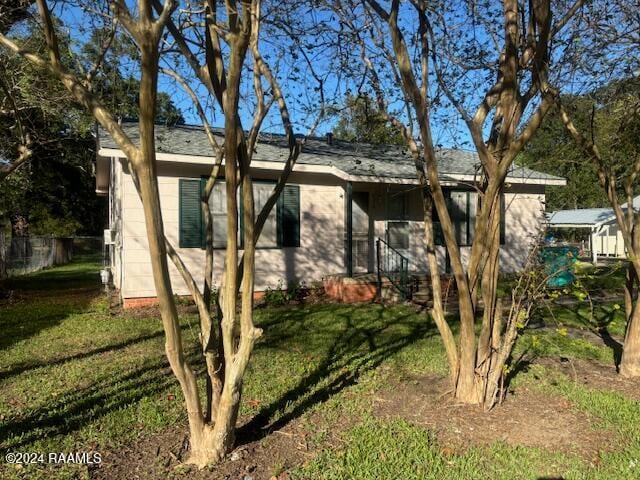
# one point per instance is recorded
(75, 377)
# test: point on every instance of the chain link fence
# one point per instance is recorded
(22, 255)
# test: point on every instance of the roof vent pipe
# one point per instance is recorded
(329, 138)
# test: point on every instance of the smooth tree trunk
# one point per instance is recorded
(630, 362)
(228, 337)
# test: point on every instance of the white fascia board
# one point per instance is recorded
(604, 222)
(331, 170)
(571, 225)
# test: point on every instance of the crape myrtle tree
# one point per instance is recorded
(222, 49)
(486, 62)
(606, 53)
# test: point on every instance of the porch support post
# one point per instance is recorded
(594, 247)
(348, 225)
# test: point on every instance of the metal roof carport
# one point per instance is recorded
(598, 220)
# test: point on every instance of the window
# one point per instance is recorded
(218, 210)
(397, 224)
(461, 206)
(269, 235)
(397, 206)
(281, 229)
(398, 235)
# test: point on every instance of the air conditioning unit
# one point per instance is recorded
(109, 237)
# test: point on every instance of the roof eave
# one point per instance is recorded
(332, 170)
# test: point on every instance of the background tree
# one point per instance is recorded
(361, 121)
(55, 194)
(12, 12)
(553, 151)
(601, 113)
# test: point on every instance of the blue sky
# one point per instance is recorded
(449, 130)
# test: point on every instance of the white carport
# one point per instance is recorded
(605, 238)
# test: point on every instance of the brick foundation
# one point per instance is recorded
(349, 290)
(145, 302)
(139, 302)
(364, 288)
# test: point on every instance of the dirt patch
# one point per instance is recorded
(160, 457)
(594, 375)
(526, 418)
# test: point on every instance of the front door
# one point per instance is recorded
(360, 228)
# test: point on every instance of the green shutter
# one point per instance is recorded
(472, 206)
(241, 218)
(503, 212)
(452, 216)
(438, 236)
(190, 213)
(203, 231)
(288, 215)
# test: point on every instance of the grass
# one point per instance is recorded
(76, 378)
(398, 449)
(71, 374)
(614, 412)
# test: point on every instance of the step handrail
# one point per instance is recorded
(393, 265)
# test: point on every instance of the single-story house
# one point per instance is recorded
(340, 198)
(605, 238)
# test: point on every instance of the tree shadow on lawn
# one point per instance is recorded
(25, 367)
(26, 321)
(81, 406)
(350, 346)
(360, 346)
(599, 326)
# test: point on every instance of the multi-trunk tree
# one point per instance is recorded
(441, 57)
(217, 52)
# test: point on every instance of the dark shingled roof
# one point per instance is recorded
(357, 159)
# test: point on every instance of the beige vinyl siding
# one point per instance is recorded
(523, 221)
(321, 250)
(322, 235)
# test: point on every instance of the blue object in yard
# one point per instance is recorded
(558, 264)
